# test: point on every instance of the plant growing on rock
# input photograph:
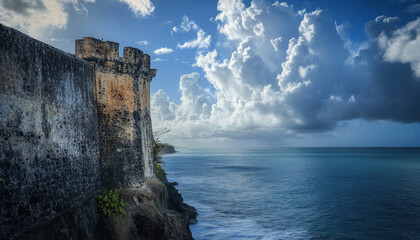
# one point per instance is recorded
(109, 203)
(157, 160)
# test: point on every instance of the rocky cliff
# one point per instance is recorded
(155, 211)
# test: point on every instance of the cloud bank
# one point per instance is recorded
(292, 72)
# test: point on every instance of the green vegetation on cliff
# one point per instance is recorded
(158, 163)
(109, 203)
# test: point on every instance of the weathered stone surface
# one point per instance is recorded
(122, 96)
(77, 223)
(49, 145)
(149, 217)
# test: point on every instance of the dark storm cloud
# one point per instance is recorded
(384, 82)
(391, 91)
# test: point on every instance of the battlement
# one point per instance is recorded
(94, 49)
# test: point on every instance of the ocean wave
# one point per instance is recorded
(215, 226)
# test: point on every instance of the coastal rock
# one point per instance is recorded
(152, 213)
(167, 149)
(176, 202)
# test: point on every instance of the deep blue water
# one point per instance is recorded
(301, 193)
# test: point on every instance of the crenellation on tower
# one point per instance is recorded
(89, 47)
(146, 62)
(112, 50)
(132, 55)
(92, 48)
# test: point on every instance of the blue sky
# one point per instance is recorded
(258, 73)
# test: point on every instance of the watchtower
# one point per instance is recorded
(122, 95)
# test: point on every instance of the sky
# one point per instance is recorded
(258, 73)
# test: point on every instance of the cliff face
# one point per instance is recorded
(69, 127)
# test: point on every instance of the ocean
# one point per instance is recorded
(300, 193)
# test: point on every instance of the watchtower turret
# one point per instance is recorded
(123, 100)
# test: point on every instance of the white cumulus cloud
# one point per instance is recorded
(159, 60)
(188, 25)
(163, 50)
(142, 42)
(185, 26)
(403, 45)
(275, 42)
(202, 41)
(141, 8)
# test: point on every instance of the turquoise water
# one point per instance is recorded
(301, 193)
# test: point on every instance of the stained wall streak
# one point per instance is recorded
(49, 141)
(146, 124)
(123, 99)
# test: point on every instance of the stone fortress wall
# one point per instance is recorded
(69, 127)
